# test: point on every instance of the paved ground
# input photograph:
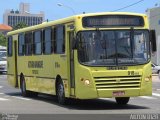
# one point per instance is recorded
(12, 102)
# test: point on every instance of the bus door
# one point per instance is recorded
(71, 52)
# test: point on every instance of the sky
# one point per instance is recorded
(53, 11)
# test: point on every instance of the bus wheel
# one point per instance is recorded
(60, 93)
(122, 100)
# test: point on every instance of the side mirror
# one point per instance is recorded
(74, 43)
(153, 40)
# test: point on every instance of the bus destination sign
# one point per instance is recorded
(112, 21)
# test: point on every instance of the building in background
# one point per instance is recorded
(4, 29)
(13, 17)
(154, 23)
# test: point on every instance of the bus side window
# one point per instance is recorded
(28, 43)
(10, 46)
(21, 44)
(59, 43)
(47, 41)
(37, 43)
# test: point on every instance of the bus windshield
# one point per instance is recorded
(111, 48)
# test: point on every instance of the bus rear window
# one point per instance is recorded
(112, 21)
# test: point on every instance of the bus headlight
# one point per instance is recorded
(86, 82)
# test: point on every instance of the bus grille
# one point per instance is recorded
(117, 82)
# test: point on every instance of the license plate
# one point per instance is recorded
(118, 93)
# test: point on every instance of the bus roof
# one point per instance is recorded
(69, 19)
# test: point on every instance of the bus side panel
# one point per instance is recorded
(45, 77)
(46, 86)
(40, 79)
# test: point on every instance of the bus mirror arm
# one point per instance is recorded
(74, 43)
(153, 40)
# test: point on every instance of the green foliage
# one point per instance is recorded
(20, 25)
(3, 40)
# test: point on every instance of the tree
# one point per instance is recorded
(20, 25)
(3, 41)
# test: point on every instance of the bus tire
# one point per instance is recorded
(122, 100)
(60, 93)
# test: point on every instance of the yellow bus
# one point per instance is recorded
(87, 56)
